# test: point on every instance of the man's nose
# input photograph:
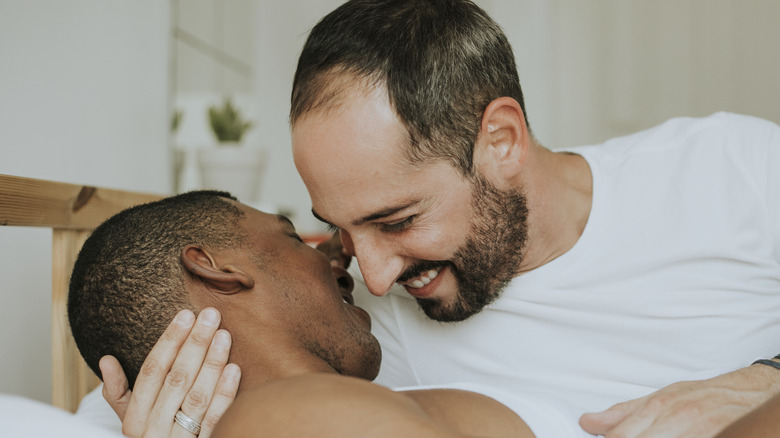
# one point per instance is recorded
(379, 263)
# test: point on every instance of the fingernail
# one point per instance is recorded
(232, 371)
(184, 318)
(210, 316)
(222, 339)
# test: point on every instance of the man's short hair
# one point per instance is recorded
(128, 280)
(441, 61)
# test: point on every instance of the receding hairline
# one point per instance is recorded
(331, 90)
(341, 83)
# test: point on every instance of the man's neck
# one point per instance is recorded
(259, 369)
(559, 187)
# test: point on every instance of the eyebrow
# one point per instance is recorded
(385, 212)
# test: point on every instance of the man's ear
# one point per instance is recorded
(503, 143)
(227, 279)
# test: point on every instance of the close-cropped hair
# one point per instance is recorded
(441, 61)
(128, 281)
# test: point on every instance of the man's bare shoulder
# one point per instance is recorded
(326, 405)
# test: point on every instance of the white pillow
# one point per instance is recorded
(23, 417)
(94, 409)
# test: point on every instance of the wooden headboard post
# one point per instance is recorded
(71, 211)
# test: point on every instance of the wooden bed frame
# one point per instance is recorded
(71, 211)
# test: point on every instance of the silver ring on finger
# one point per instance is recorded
(187, 423)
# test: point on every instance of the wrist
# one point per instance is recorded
(773, 362)
(769, 370)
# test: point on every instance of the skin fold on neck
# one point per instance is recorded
(559, 188)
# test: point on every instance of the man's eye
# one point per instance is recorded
(396, 227)
(296, 236)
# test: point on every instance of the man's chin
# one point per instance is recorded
(468, 301)
(436, 309)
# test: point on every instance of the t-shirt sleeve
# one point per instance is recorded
(545, 415)
(759, 143)
(772, 167)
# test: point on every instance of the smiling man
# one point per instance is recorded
(410, 132)
(405, 221)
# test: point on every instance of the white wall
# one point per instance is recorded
(281, 31)
(83, 99)
(267, 35)
(598, 69)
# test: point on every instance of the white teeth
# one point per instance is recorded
(423, 279)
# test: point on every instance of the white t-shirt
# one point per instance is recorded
(675, 277)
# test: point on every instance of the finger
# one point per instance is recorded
(599, 423)
(335, 251)
(344, 253)
(227, 387)
(339, 257)
(116, 390)
(199, 397)
(153, 372)
(324, 247)
(634, 426)
(344, 258)
(183, 372)
(327, 246)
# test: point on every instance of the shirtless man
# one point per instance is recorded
(305, 352)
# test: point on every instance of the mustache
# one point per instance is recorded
(418, 268)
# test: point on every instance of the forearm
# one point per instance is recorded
(767, 371)
(765, 420)
(760, 423)
(696, 408)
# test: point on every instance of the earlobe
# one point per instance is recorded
(226, 279)
(504, 140)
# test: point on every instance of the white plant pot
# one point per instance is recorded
(235, 169)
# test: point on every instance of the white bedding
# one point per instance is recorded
(24, 417)
(94, 409)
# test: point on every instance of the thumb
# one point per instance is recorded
(599, 423)
(116, 390)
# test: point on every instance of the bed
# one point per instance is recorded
(71, 211)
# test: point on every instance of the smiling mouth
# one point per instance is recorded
(423, 279)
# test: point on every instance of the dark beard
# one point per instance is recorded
(491, 256)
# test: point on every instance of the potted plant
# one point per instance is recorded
(227, 123)
(230, 165)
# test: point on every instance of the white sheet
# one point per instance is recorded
(24, 417)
